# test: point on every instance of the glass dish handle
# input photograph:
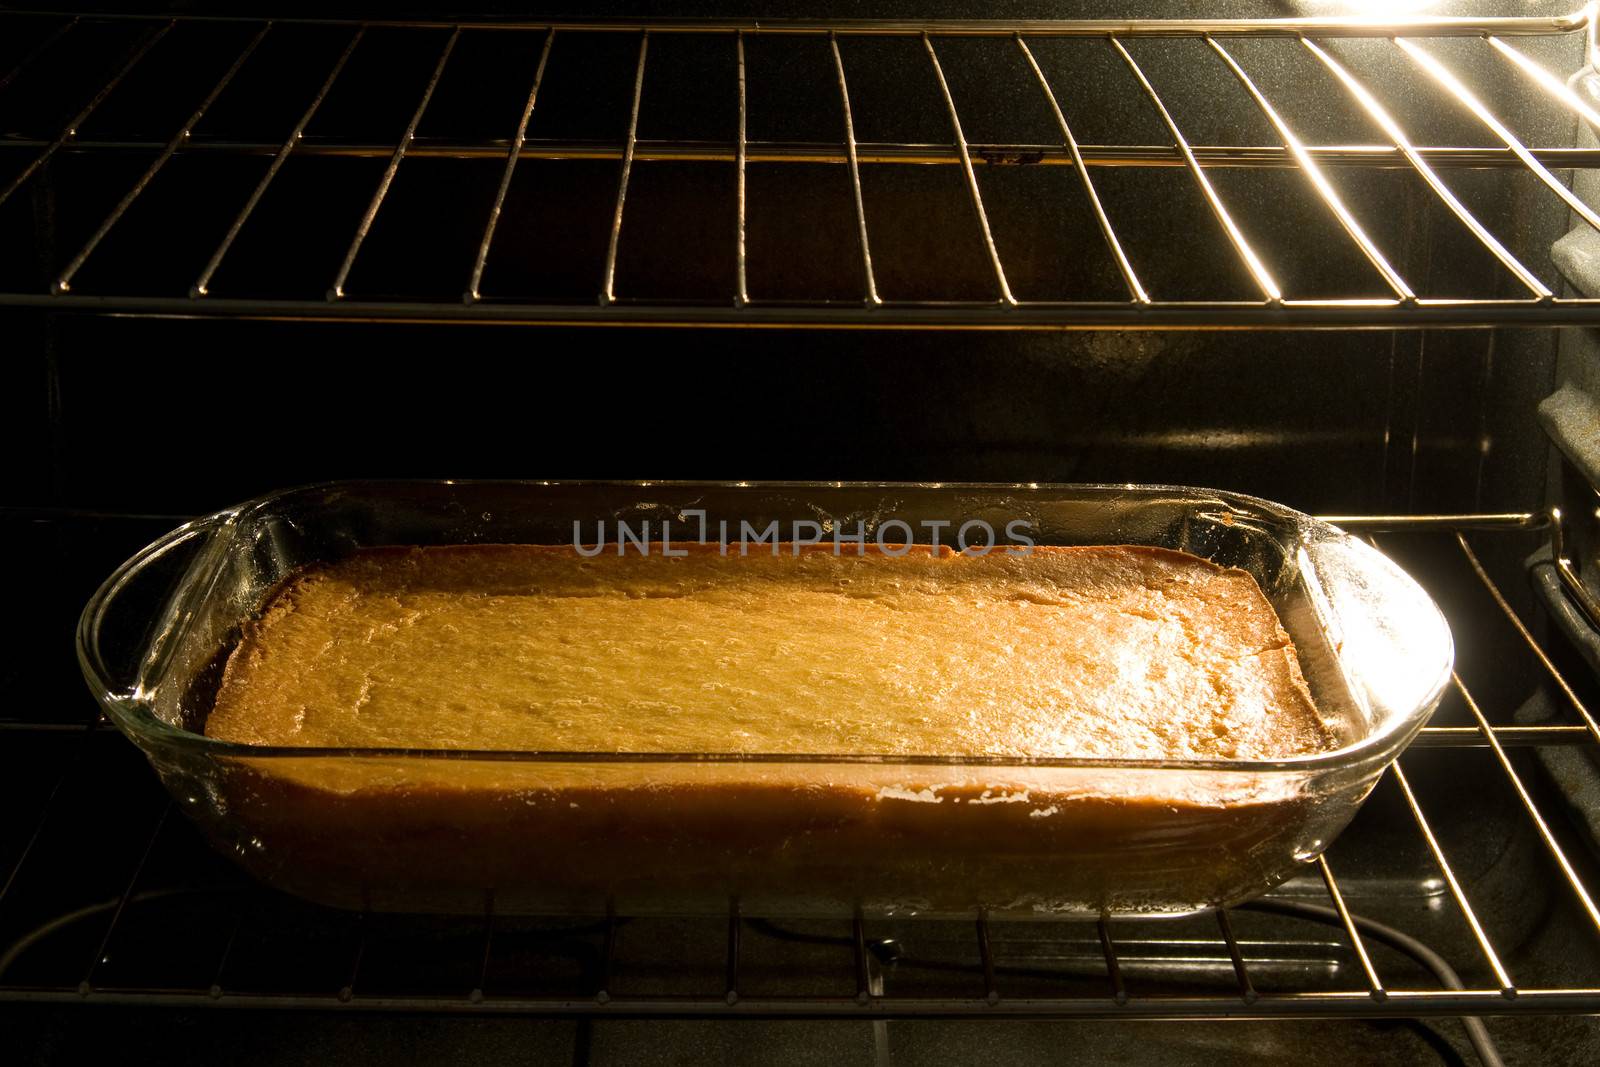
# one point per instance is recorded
(132, 623)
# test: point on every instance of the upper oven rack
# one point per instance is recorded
(1525, 293)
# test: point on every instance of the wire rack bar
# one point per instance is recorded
(99, 955)
(1398, 1004)
(1552, 85)
(347, 991)
(476, 993)
(982, 153)
(972, 179)
(1381, 116)
(1108, 948)
(741, 294)
(1258, 270)
(70, 130)
(48, 807)
(608, 286)
(39, 49)
(940, 315)
(608, 954)
(1442, 74)
(1374, 984)
(1557, 853)
(1538, 651)
(216, 989)
(855, 174)
(1334, 26)
(1570, 579)
(63, 280)
(1125, 268)
(1247, 992)
(202, 284)
(1486, 520)
(1313, 172)
(1456, 893)
(991, 991)
(513, 154)
(863, 966)
(1508, 736)
(336, 291)
(730, 982)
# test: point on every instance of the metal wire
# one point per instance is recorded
(731, 970)
(858, 944)
(47, 809)
(39, 49)
(608, 292)
(741, 295)
(1456, 893)
(336, 290)
(1517, 736)
(63, 281)
(1477, 1033)
(1119, 991)
(70, 130)
(1247, 991)
(202, 284)
(1331, 26)
(1048, 316)
(512, 155)
(1556, 87)
(363, 931)
(1444, 77)
(972, 179)
(991, 992)
(1522, 629)
(1557, 853)
(855, 174)
(99, 956)
(1318, 181)
(1381, 116)
(1258, 270)
(608, 955)
(1129, 278)
(997, 154)
(1374, 983)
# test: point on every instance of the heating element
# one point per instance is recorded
(180, 927)
(1401, 84)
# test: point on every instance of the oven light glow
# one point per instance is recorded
(1397, 7)
(1376, 8)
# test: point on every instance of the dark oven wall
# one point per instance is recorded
(184, 416)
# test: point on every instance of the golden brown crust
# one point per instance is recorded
(1093, 651)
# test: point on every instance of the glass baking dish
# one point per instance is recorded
(577, 832)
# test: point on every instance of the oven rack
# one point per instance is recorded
(866, 960)
(1523, 291)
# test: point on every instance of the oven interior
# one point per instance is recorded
(1341, 266)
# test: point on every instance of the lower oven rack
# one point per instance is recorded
(63, 266)
(1102, 966)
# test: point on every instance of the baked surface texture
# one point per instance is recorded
(1082, 651)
